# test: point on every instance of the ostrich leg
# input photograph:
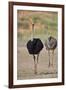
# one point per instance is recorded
(35, 65)
(37, 57)
(49, 57)
(52, 57)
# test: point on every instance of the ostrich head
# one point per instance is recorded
(32, 24)
(50, 38)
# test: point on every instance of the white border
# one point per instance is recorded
(37, 81)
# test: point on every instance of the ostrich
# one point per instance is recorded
(51, 44)
(34, 47)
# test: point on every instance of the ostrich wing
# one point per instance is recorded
(51, 44)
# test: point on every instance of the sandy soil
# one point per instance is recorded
(25, 65)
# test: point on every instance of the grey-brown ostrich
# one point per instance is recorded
(51, 44)
(34, 47)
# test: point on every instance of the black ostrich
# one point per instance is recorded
(51, 44)
(34, 47)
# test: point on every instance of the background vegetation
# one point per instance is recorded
(46, 24)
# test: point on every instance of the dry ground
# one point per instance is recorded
(25, 65)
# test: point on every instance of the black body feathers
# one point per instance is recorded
(34, 46)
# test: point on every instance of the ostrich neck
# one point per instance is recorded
(33, 31)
